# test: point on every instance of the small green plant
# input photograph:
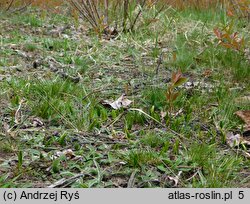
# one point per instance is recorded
(57, 44)
(153, 140)
(138, 159)
(6, 147)
(20, 160)
(171, 94)
(56, 165)
(62, 139)
(155, 97)
(30, 47)
(33, 20)
(133, 118)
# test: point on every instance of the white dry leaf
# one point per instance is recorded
(175, 179)
(57, 31)
(165, 50)
(121, 102)
(18, 113)
(232, 139)
(68, 153)
(163, 114)
(65, 36)
(179, 112)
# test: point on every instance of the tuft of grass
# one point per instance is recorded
(6, 147)
(155, 97)
(32, 20)
(56, 166)
(133, 118)
(138, 159)
(154, 140)
(30, 47)
(216, 169)
(57, 44)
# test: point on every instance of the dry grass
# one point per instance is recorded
(198, 4)
(175, 3)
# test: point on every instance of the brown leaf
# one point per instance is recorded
(217, 33)
(174, 96)
(207, 73)
(176, 76)
(230, 12)
(245, 116)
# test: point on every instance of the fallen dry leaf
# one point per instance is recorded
(245, 116)
(232, 139)
(163, 114)
(68, 153)
(121, 102)
(177, 113)
(174, 180)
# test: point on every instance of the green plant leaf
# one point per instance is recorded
(56, 166)
(180, 81)
(20, 159)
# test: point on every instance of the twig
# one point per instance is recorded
(172, 131)
(10, 4)
(18, 113)
(23, 7)
(197, 172)
(115, 120)
(92, 92)
(106, 5)
(125, 14)
(137, 16)
(65, 182)
(159, 62)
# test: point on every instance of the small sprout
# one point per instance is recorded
(62, 139)
(176, 80)
(56, 166)
(20, 159)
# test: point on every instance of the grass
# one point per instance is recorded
(108, 146)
